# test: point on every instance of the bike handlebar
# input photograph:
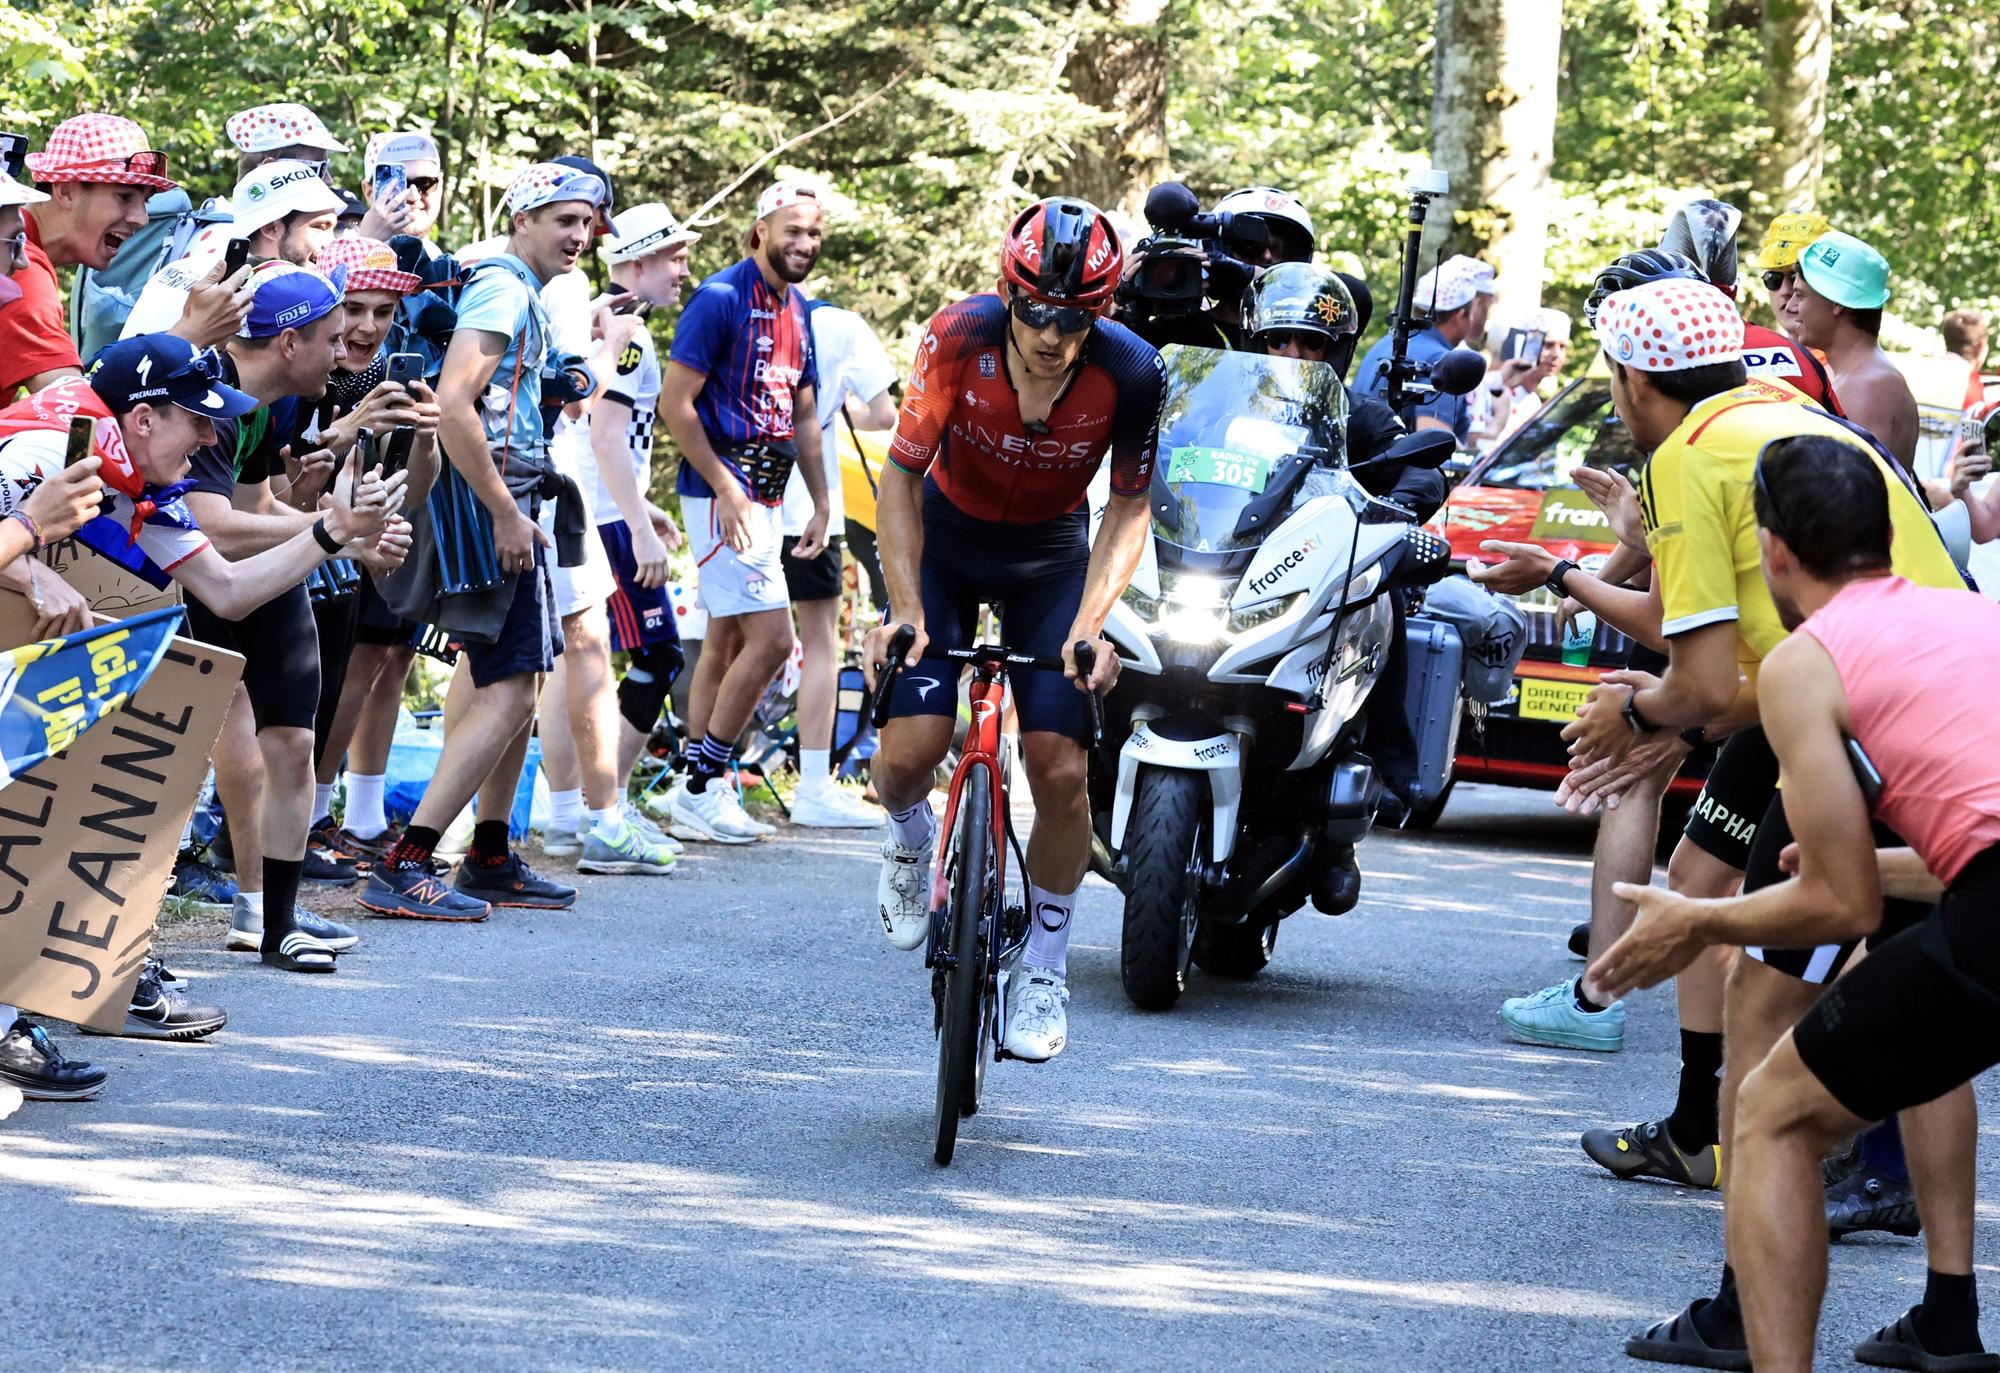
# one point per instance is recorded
(899, 651)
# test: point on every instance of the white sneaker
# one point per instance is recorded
(707, 817)
(246, 927)
(642, 822)
(1037, 1014)
(562, 843)
(832, 807)
(903, 893)
(751, 825)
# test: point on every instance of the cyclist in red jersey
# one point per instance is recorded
(1016, 400)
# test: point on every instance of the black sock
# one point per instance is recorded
(1948, 1321)
(706, 761)
(1583, 1002)
(489, 843)
(281, 893)
(1693, 1126)
(1882, 1150)
(1721, 1321)
(414, 849)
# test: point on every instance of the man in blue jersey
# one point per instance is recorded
(738, 399)
(1456, 296)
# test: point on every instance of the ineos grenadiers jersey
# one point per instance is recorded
(961, 420)
(634, 382)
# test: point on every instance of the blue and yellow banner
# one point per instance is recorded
(52, 691)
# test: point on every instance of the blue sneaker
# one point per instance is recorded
(1552, 1017)
(197, 881)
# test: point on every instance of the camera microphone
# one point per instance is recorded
(1170, 204)
(1458, 372)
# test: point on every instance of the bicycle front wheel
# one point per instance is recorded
(970, 869)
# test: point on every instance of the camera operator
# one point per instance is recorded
(1456, 295)
(1187, 278)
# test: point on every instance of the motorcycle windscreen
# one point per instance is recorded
(1235, 427)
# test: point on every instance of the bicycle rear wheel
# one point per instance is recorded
(959, 1047)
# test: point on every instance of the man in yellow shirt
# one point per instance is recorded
(1679, 385)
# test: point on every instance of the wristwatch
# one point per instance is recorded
(1694, 736)
(1634, 718)
(1563, 567)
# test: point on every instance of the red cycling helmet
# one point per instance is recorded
(1063, 251)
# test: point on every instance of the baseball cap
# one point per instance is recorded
(1670, 325)
(164, 368)
(370, 265)
(644, 230)
(352, 206)
(545, 183)
(268, 193)
(262, 128)
(399, 145)
(584, 164)
(1453, 283)
(101, 149)
(1846, 271)
(288, 297)
(13, 192)
(781, 194)
(1787, 237)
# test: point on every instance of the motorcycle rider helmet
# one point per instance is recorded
(1636, 269)
(1297, 296)
(1705, 231)
(1290, 227)
(1063, 251)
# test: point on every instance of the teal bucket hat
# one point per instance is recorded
(1846, 271)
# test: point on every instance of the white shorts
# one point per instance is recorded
(733, 583)
(578, 588)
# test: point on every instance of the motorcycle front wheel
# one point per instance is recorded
(1162, 886)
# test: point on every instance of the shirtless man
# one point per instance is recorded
(1835, 306)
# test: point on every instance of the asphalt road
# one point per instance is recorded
(687, 1126)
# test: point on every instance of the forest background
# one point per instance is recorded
(1569, 126)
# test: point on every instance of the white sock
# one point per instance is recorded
(815, 767)
(566, 809)
(1048, 947)
(322, 800)
(364, 806)
(914, 827)
(609, 822)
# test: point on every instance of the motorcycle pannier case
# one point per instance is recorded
(1437, 660)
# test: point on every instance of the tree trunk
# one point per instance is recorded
(1798, 54)
(1120, 67)
(1493, 124)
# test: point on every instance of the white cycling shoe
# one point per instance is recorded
(1037, 1014)
(903, 893)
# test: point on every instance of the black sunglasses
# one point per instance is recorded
(424, 185)
(1305, 340)
(1040, 314)
(1775, 281)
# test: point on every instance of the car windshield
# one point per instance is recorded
(1229, 426)
(1576, 429)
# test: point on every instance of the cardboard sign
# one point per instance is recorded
(111, 591)
(87, 839)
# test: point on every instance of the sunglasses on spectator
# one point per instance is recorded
(1775, 281)
(149, 163)
(1305, 340)
(1040, 314)
(423, 185)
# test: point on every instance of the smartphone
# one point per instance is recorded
(370, 456)
(1524, 345)
(14, 155)
(82, 437)
(390, 182)
(406, 367)
(633, 305)
(234, 256)
(1864, 772)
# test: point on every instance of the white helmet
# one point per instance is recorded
(1275, 207)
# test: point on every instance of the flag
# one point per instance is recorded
(52, 691)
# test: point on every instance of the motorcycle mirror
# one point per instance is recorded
(1431, 448)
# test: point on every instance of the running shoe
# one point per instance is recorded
(712, 816)
(198, 881)
(1647, 1151)
(831, 806)
(371, 851)
(30, 1061)
(324, 866)
(246, 929)
(156, 1013)
(628, 854)
(1868, 1200)
(642, 822)
(1552, 1017)
(1037, 1014)
(561, 843)
(416, 894)
(903, 893)
(512, 883)
(172, 981)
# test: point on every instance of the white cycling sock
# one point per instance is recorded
(1048, 930)
(566, 809)
(815, 767)
(609, 822)
(913, 828)
(322, 800)
(365, 819)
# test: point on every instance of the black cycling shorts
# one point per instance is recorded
(1922, 1013)
(1740, 785)
(812, 579)
(376, 623)
(279, 641)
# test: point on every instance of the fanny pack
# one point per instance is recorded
(766, 466)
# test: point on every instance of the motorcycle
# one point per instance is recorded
(1252, 634)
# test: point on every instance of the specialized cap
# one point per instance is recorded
(101, 149)
(644, 230)
(1298, 295)
(268, 193)
(1670, 326)
(610, 204)
(262, 128)
(1846, 271)
(399, 146)
(1705, 231)
(13, 192)
(1787, 238)
(370, 265)
(1270, 203)
(164, 369)
(780, 195)
(1453, 283)
(545, 183)
(289, 297)
(1063, 251)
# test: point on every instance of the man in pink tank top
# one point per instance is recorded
(1902, 671)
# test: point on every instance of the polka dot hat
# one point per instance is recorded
(1670, 326)
(264, 128)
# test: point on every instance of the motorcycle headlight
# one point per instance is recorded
(1194, 607)
(1364, 586)
(1262, 615)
